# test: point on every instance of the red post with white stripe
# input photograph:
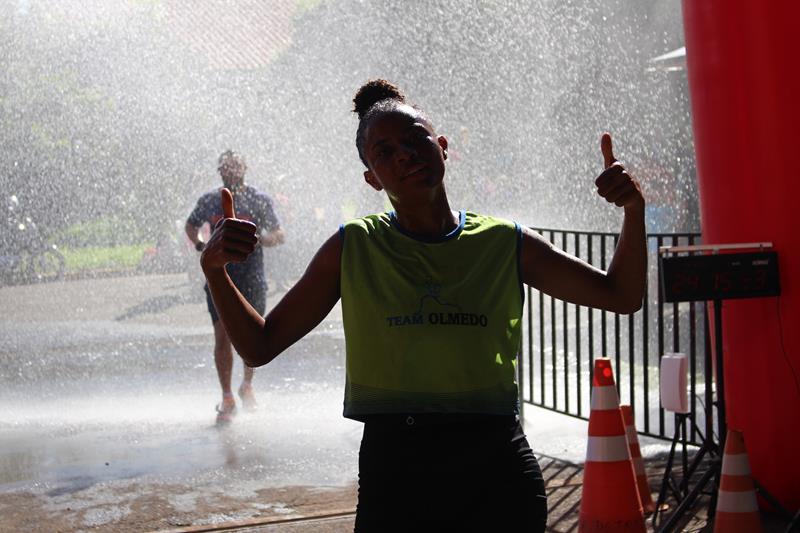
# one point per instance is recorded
(610, 500)
(638, 463)
(737, 507)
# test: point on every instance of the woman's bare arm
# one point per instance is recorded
(621, 288)
(259, 340)
(305, 305)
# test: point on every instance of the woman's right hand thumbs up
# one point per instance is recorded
(232, 240)
(227, 203)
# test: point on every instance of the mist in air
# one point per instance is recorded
(115, 110)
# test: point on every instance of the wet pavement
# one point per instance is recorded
(107, 393)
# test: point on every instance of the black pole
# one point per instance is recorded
(709, 378)
(721, 419)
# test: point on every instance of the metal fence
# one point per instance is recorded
(561, 341)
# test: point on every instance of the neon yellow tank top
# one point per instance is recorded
(431, 327)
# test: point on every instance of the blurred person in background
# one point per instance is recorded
(248, 276)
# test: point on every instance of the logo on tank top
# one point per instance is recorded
(433, 310)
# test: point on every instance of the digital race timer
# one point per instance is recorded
(719, 276)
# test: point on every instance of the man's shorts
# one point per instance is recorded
(255, 293)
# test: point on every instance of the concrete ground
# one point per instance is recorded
(107, 389)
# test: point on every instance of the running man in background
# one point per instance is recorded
(248, 276)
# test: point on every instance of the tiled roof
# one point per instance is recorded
(232, 34)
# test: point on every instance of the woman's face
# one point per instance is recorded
(404, 154)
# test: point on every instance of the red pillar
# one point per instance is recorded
(743, 59)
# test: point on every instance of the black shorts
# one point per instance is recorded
(254, 293)
(475, 474)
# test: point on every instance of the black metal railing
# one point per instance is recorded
(561, 341)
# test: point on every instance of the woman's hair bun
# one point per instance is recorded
(373, 92)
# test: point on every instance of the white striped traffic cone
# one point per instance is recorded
(638, 463)
(610, 500)
(737, 507)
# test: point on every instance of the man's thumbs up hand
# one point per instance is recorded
(614, 183)
(233, 239)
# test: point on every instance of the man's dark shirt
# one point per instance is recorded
(251, 205)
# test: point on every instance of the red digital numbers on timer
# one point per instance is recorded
(686, 282)
(723, 281)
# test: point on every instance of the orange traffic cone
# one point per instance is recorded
(610, 500)
(737, 508)
(638, 463)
